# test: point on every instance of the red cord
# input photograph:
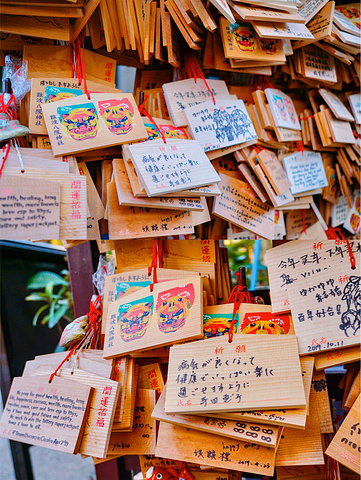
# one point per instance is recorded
(157, 260)
(143, 111)
(78, 68)
(192, 69)
(336, 234)
(239, 295)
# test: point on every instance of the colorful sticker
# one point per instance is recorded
(123, 288)
(243, 37)
(217, 324)
(173, 308)
(265, 323)
(168, 131)
(134, 318)
(278, 101)
(290, 110)
(80, 122)
(117, 115)
(53, 94)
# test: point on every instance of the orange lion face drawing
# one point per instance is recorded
(243, 36)
(215, 326)
(265, 324)
(262, 327)
(79, 122)
(173, 308)
(117, 115)
(134, 318)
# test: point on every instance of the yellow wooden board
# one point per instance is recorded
(262, 381)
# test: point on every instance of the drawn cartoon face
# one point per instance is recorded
(134, 321)
(269, 46)
(117, 115)
(173, 308)
(80, 122)
(215, 327)
(278, 101)
(244, 37)
(355, 222)
(263, 327)
(290, 110)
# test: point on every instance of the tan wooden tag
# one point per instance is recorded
(262, 317)
(50, 415)
(187, 93)
(319, 387)
(217, 320)
(302, 447)
(120, 375)
(292, 31)
(287, 264)
(337, 357)
(213, 450)
(141, 320)
(95, 203)
(141, 441)
(258, 379)
(172, 166)
(283, 111)
(30, 209)
(148, 461)
(323, 309)
(310, 8)
(249, 13)
(318, 64)
(79, 124)
(305, 171)
(239, 205)
(345, 445)
(304, 472)
(138, 222)
(222, 124)
(274, 171)
(245, 431)
(151, 378)
(123, 417)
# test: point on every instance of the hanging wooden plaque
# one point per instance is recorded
(324, 308)
(287, 264)
(305, 171)
(79, 124)
(187, 93)
(258, 377)
(145, 319)
(45, 414)
(222, 124)
(172, 166)
(345, 445)
(282, 108)
(274, 171)
(238, 204)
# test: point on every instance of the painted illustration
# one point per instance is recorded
(265, 324)
(134, 318)
(125, 288)
(268, 46)
(358, 204)
(290, 109)
(53, 94)
(351, 318)
(217, 324)
(173, 308)
(230, 126)
(280, 107)
(355, 222)
(80, 122)
(168, 131)
(117, 115)
(349, 12)
(243, 37)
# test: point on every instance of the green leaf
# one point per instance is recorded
(45, 319)
(41, 279)
(49, 290)
(36, 316)
(36, 297)
(57, 316)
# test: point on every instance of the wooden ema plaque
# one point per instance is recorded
(172, 166)
(50, 415)
(144, 319)
(320, 390)
(187, 93)
(274, 171)
(245, 431)
(324, 308)
(289, 263)
(30, 209)
(78, 124)
(239, 205)
(180, 443)
(214, 375)
(305, 171)
(220, 125)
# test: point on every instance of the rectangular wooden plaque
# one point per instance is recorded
(214, 375)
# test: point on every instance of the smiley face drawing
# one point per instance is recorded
(173, 308)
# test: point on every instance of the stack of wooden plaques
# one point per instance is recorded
(172, 386)
(259, 147)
